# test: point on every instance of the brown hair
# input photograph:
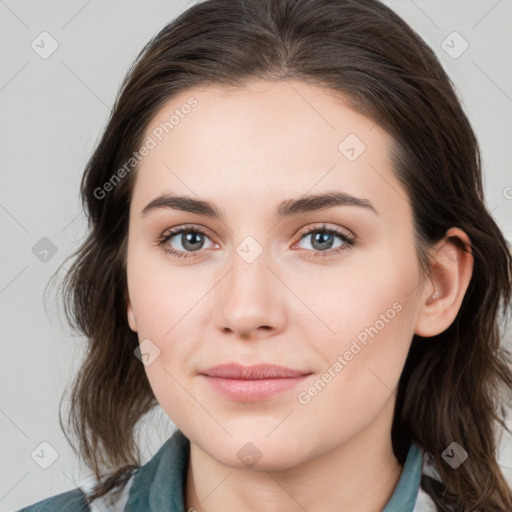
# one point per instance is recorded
(451, 385)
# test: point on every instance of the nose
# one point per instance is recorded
(250, 300)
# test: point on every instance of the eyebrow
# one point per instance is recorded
(287, 208)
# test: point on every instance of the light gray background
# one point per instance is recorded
(52, 113)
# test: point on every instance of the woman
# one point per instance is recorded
(333, 340)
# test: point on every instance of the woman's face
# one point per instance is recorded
(263, 282)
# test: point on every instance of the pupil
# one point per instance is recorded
(192, 238)
(320, 237)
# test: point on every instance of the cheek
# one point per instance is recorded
(367, 288)
(164, 301)
(368, 318)
(161, 294)
(360, 373)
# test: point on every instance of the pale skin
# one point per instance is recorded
(246, 150)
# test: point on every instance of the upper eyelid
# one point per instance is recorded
(185, 227)
(325, 226)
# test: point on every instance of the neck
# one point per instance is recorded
(359, 475)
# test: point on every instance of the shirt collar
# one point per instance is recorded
(159, 485)
(404, 496)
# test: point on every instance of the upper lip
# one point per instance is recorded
(252, 372)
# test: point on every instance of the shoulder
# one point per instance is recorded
(77, 500)
(161, 475)
(70, 501)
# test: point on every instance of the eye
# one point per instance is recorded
(189, 240)
(322, 240)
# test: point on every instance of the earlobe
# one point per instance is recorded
(452, 268)
(129, 311)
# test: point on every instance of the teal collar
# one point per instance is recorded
(159, 485)
(404, 496)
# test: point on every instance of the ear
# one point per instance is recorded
(441, 298)
(129, 311)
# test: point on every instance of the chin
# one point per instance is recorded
(258, 452)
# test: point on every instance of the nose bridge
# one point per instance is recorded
(249, 274)
(249, 297)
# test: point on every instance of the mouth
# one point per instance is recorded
(252, 383)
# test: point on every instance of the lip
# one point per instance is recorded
(248, 383)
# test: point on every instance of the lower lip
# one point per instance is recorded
(252, 390)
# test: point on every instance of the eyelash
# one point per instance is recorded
(349, 241)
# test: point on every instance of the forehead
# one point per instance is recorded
(265, 142)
